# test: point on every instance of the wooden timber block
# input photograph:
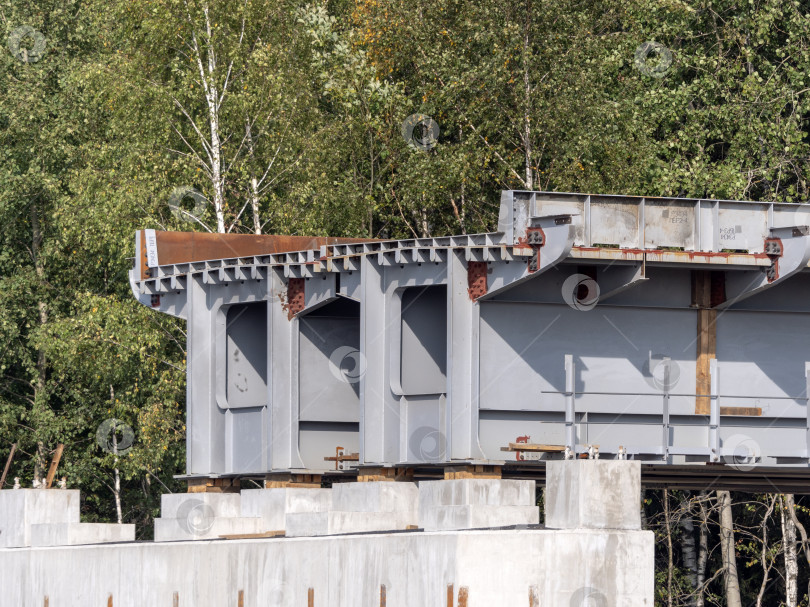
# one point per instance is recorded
(299, 481)
(472, 471)
(742, 411)
(374, 475)
(214, 485)
(250, 536)
(534, 447)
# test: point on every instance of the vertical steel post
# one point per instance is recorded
(379, 407)
(463, 322)
(205, 422)
(282, 374)
(807, 407)
(570, 412)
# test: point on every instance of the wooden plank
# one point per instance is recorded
(109, 601)
(534, 447)
(8, 465)
(241, 598)
(250, 536)
(477, 471)
(449, 595)
(311, 597)
(743, 411)
(299, 481)
(213, 485)
(54, 465)
(706, 344)
(375, 475)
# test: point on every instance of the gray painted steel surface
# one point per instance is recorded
(575, 324)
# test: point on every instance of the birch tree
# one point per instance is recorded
(728, 550)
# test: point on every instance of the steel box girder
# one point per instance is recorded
(539, 232)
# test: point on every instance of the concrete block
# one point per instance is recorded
(210, 505)
(593, 494)
(476, 503)
(341, 521)
(273, 505)
(21, 508)
(71, 534)
(445, 518)
(205, 528)
(375, 497)
(480, 492)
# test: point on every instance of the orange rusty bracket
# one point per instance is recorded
(340, 456)
(521, 439)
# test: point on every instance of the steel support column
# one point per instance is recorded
(205, 422)
(463, 320)
(282, 373)
(379, 407)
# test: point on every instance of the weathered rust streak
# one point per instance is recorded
(462, 596)
(311, 597)
(534, 598)
(382, 595)
(185, 247)
(476, 279)
(449, 595)
(296, 300)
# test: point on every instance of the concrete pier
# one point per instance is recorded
(596, 556)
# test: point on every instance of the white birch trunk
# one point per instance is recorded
(789, 552)
(728, 552)
(703, 549)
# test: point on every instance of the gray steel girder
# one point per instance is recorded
(580, 322)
